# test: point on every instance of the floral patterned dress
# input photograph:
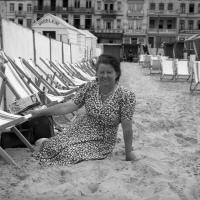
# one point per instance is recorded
(92, 135)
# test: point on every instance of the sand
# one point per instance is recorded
(166, 128)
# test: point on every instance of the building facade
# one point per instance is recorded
(170, 20)
(78, 13)
(108, 20)
(18, 11)
(115, 21)
(135, 25)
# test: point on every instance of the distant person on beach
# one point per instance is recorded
(92, 135)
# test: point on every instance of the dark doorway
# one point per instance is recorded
(50, 34)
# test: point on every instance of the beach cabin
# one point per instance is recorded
(54, 27)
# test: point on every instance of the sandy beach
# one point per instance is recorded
(166, 140)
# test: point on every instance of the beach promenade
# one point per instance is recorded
(166, 141)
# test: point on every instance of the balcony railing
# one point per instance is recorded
(108, 30)
(21, 13)
(163, 12)
(189, 31)
(135, 13)
(81, 10)
(162, 31)
(63, 9)
(134, 32)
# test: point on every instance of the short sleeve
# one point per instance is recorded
(127, 105)
(79, 98)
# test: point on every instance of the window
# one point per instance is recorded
(88, 21)
(98, 5)
(199, 8)
(20, 7)
(98, 24)
(77, 21)
(29, 8)
(161, 6)
(111, 7)
(160, 25)
(169, 24)
(12, 7)
(53, 5)
(182, 24)
(40, 4)
(198, 24)
(20, 21)
(170, 6)
(152, 23)
(11, 19)
(106, 6)
(108, 25)
(65, 3)
(191, 8)
(65, 17)
(190, 24)
(77, 4)
(182, 8)
(29, 23)
(119, 5)
(118, 23)
(88, 4)
(152, 6)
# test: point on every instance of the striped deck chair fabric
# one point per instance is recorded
(9, 121)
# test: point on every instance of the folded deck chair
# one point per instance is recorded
(9, 121)
(182, 70)
(155, 67)
(195, 80)
(167, 69)
(147, 60)
(141, 59)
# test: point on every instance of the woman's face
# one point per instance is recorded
(106, 74)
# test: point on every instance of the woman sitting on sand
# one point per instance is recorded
(92, 135)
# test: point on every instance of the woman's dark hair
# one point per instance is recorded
(108, 59)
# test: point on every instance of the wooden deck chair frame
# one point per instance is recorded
(184, 76)
(61, 74)
(195, 80)
(12, 126)
(56, 74)
(171, 74)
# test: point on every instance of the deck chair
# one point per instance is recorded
(167, 70)
(9, 121)
(84, 73)
(70, 75)
(147, 60)
(195, 80)
(141, 59)
(155, 67)
(182, 70)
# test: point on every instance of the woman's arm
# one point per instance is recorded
(128, 139)
(58, 109)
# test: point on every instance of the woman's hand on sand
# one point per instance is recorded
(130, 156)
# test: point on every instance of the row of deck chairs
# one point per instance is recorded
(173, 69)
(56, 83)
